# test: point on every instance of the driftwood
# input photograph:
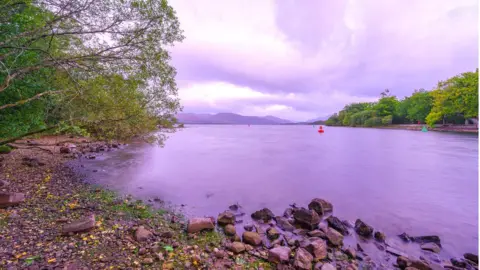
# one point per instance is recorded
(31, 147)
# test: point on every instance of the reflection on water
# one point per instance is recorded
(397, 181)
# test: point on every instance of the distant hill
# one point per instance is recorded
(229, 118)
(323, 118)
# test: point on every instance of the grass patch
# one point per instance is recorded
(4, 149)
(207, 238)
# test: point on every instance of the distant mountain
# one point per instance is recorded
(229, 118)
(323, 118)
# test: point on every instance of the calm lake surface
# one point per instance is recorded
(395, 180)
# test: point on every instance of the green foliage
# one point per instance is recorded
(455, 96)
(57, 70)
(452, 101)
(4, 149)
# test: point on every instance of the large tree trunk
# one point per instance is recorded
(27, 134)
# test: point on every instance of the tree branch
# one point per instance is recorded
(37, 96)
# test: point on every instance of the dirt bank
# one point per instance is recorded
(63, 222)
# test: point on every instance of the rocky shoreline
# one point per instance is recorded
(51, 219)
(313, 238)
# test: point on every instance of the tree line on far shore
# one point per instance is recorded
(90, 67)
(451, 101)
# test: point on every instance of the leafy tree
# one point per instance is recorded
(455, 96)
(73, 60)
(386, 105)
(418, 106)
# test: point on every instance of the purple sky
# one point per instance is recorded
(300, 61)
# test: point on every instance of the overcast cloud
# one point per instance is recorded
(303, 59)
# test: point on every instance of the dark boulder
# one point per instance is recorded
(379, 236)
(405, 237)
(427, 239)
(248, 227)
(284, 224)
(308, 219)
(403, 262)
(337, 224)
(458, 263)
(363, 229)
(320, 206)
(472, 257)
(264, 214)
(225, 218)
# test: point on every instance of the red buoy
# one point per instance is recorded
(320, 129)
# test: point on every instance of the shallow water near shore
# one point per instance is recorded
(395, 180)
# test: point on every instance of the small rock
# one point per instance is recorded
(230, 230)
(219, 254)
(379, 236)
(320, 206)
(65, 150)
(420, 265)
(10, 199)
(225, 218)
(405, 237)
(363, 229)
(142, 234)
(307, 218)
(252, 238)
(359, 248)
(328, 266)
(279, 255)
(403, 262)
(264, 214)
(334, 237)
(284, 224)
(351, 253)
(81, 225)
(147, 261)
(303, 260)
(318, 266)
(237, 247)
(272, 233)
(166, 235)
(248, 227)
(337, 224)
(431, 247)
(142, 251)
(318, 248)
(339, 256)
(317, 233)
(32, 162)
